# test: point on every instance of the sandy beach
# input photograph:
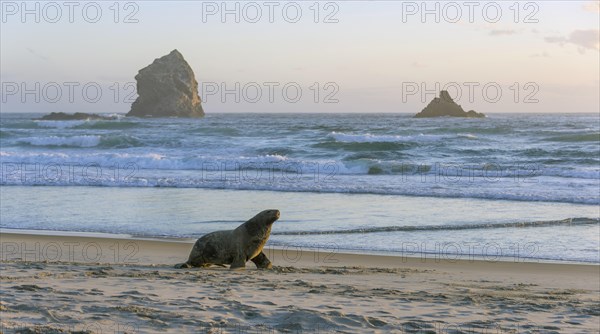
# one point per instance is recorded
(302, 167)
(88, 284)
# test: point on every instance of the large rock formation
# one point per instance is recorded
(445, 106)
(167, 88)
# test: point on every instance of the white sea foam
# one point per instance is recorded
(61, 124)
(377, 155)
(277, 173)
(467, 135)
(165, 160)
(77, 141)
(371, 138)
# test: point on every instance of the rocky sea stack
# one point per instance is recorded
(167, 88)
(445, 106)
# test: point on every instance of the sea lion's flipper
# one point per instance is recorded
(182, 265)
(238, 263)
(262, 261)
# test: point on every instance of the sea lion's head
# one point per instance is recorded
(267, 217)
(261, 223)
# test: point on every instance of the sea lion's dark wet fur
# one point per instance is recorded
(235, 247)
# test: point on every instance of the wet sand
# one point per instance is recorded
(102, 284)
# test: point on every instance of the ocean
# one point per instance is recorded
(515, 187)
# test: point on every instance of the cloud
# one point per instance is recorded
(499, 32)
(556, 39)
(418, 65)
(593, 7)
(114, 78)
(541, 55)
(584, 39)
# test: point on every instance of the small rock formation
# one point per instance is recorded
(167, 88)
(445, 106)
(78, 116)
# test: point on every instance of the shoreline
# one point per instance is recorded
(418, 256)
(76, 249)
(93, 283)
(111, 184)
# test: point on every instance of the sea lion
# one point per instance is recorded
(235, 247)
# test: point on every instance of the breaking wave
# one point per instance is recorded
(564, 222)
(85, 141)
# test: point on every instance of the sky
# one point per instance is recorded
(337, 56)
